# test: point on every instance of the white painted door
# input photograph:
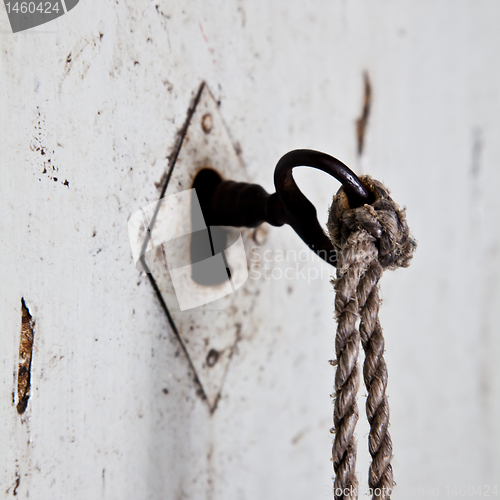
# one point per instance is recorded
(91, 104)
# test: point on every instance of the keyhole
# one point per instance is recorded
(212, 240)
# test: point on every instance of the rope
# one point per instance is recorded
(368, 240)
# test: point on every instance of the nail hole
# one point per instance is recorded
(212, 357)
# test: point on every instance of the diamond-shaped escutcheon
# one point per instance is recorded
(201, 274)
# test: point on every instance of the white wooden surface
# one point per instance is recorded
(288, 75)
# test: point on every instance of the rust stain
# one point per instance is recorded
(17, 483)
(25, 353)
(161, 183)
(362, 121)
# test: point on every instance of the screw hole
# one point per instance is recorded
(207, 123)
(212, 357)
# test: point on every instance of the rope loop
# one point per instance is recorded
(383, 220)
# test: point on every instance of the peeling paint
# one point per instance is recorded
(362, 121)
(25, 354)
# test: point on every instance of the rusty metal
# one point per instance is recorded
(240, 204)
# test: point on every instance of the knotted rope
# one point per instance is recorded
(368, 240)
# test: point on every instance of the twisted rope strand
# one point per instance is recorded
(345, 415)
(380, 476)
(351, 266)
(368, 240)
